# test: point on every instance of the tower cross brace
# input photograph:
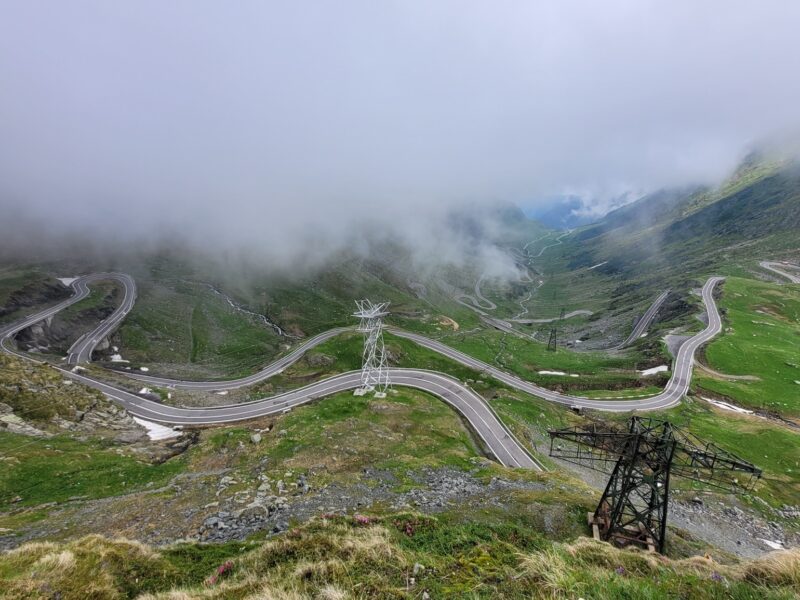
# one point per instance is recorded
(374, 371)
(633, 508)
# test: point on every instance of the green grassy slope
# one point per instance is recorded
(468, 552)
(465, 551)
(671, 239)
(761, 340)
(753, 214)
(184, 327)
(56, 469)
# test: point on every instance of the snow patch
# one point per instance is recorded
(654, 370)
(144, 369)
(597, 265)
(117, 358)
(145, 390)
(67, 281)
(558, 373)
(222, 393)
(726, 406)
(156, 431)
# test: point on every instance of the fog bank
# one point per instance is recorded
(281, 129)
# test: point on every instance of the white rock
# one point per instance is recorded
(726, 406)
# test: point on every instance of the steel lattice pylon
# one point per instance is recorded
(374, 373)
(633, 509)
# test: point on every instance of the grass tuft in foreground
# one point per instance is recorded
(397, 556)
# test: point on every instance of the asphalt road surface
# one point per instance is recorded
(569, 315)
(512, 380)
(232, 384)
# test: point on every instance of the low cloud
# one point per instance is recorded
(291, 131)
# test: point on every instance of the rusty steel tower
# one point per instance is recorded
(642, 458)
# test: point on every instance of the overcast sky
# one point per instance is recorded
(257, 119)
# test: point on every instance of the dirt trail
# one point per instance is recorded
(714, 373)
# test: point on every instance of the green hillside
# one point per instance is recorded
(754, 214)
(756, 361)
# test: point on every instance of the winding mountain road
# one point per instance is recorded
(676, 387)
(232, 384)
(777, 267)
(497, 438)
(81, 351)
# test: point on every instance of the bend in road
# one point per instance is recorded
(777, 267)
(496, 437)
(81, 351)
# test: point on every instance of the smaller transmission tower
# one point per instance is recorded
(374, 374)
(552, 343)
(643, 457)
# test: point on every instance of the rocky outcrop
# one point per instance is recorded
(317, 359)
(35, 294)
(14, 424)
(274, 503)
(57, 334)
(35, 399)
